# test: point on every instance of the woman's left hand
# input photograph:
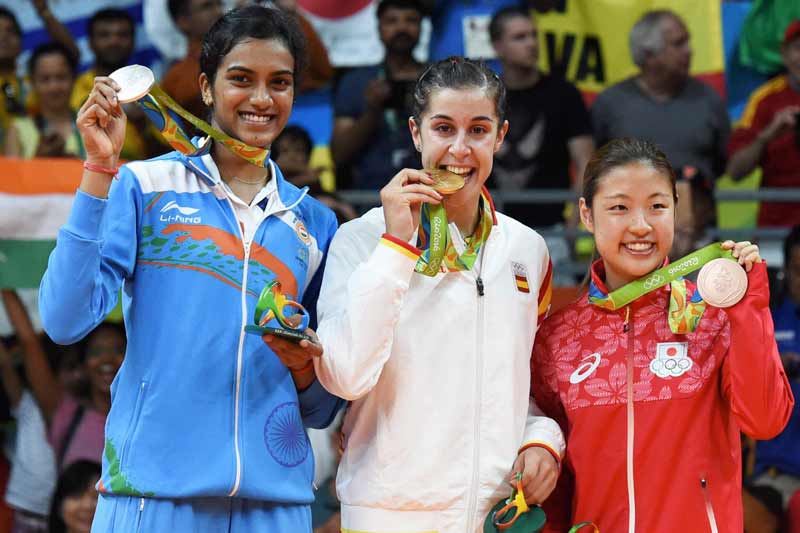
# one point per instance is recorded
(745, 252)
(539, 474)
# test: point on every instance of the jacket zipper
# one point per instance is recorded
(137, 409)
(473, 489)
(237, 392)
(712, 521)
(139, 515)
(628, 328)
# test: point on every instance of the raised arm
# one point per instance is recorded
(365, 283)
(44, 384)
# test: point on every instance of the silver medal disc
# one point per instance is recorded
(722, 282)
(134, 81)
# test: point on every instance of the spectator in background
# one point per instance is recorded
(549, 127)
(111, 38)
(33, 469)
(292, 151)
(319, 71)
(194, 18)
(778, 460)
(15, 98)
(75, 499)
(370, 141)
(51, 131)
(768, 135)
(663, 104)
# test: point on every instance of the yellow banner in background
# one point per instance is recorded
(587, 40)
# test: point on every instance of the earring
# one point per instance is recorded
(418, 148)
(207, 100)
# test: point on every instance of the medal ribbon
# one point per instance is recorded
(165, 113)
(434, 239)
(684, 313)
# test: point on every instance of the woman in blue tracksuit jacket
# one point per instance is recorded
(207, 425)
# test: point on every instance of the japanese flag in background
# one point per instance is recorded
(349, 30)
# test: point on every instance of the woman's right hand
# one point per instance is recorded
(402, 200)
(101, 123)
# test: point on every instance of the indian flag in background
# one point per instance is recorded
(35, 199)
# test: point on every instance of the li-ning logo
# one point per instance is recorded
(691, 262)
(653, 281)
(587, 367)
(182, 215)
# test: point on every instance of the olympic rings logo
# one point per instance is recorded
(653, 281)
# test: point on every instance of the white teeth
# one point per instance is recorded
(458, 170)
(256, 118)
(639, 246)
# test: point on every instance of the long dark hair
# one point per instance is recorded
(73, 481)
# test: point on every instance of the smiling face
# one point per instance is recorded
(105, 351)
(77, 510)
(632, 218)
(52, 80)
(459, 132)
(253, 91)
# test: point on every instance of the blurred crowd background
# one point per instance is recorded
(715, 84)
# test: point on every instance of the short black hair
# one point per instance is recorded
(500, 17)
(73, 481)
(252, 22)
(108, 15)
(383, 5)
(791, 240)
(52, 48)
(7, 13)
(178, 8)
(294, 133)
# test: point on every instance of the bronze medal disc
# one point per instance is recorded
(722, 282)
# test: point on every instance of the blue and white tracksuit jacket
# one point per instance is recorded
(199, 407)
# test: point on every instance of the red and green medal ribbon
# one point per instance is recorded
(684, 312)
(434, 239)
(165, 113)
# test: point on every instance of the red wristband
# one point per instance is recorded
(101, 169)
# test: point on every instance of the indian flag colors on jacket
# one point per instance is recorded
(35, 198)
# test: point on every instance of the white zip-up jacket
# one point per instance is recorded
(438, 375)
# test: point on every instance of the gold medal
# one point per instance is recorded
(445, 182)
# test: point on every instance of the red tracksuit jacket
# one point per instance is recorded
(653, 418)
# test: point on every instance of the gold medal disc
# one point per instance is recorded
(445, 182)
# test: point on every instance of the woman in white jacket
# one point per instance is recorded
(435, 357)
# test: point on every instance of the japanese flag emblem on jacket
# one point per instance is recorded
(671, 360)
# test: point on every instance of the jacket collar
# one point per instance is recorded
(598, 289)
(288, 195)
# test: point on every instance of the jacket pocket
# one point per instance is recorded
(132, 426)
(712, 520)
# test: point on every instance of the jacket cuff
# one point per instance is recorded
(86, 216)
(395, 258)
(546, 446)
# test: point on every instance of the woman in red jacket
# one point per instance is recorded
(652, 395)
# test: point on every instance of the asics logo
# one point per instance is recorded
(653, 281)
(587, 367)
(186, 211)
